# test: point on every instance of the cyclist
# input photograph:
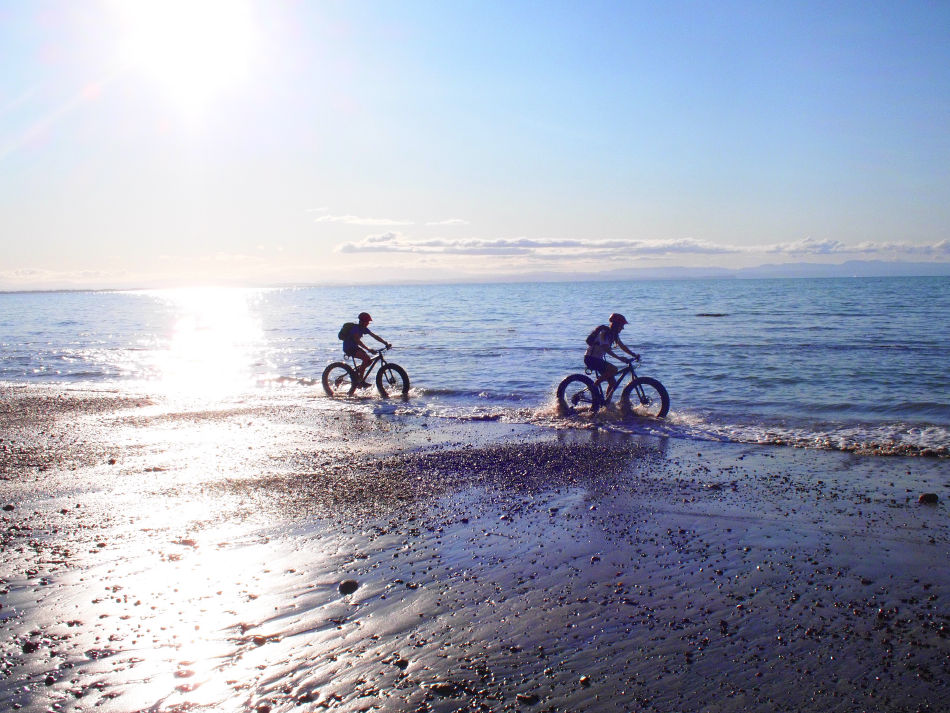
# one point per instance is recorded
(599, 343)
(353, 345)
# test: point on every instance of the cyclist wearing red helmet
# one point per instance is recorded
(354, 347)
(599, 343)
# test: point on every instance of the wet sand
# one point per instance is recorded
(268, 555)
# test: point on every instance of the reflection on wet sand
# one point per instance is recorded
(172, 559)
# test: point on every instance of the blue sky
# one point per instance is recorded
(155, 143)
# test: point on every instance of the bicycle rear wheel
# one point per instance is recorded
(654, 403)
(339, 379)
(392, 380)
(577, 395)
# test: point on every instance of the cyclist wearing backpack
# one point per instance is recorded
(599, 343)
(352, 335)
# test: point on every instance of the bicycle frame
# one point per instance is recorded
(618, 380)
(378, 359)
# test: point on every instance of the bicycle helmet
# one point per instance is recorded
(617, 318)
(364, 317)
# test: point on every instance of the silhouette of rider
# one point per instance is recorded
(353, 345)
(599, 344)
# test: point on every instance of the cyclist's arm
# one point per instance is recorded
(626, 349)
(379, 339)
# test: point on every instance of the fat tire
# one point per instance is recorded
(653, 388)
(332, 373)
(392, 380)
(577, 380)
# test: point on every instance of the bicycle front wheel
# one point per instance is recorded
(392, 380)
(339, 379)
(645, 397)
(577, 395)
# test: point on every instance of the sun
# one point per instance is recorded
(195, 49)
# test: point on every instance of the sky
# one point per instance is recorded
(153, 143)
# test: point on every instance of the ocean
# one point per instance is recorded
(849, 364)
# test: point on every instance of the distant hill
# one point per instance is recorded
(852, 268)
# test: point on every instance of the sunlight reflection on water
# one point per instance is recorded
(216, 344)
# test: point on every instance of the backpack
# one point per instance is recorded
(345, 330)
(592, 337)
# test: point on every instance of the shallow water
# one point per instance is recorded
(854, 364)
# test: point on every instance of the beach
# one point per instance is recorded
(276, 555)
(647, 404)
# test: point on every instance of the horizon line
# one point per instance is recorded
(705, 274)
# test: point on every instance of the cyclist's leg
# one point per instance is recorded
(358, 355)
(364, 362)
(609, 378)
(603, 368)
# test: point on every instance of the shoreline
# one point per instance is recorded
(166, 559)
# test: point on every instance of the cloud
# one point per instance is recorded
(604, 253)
(571, 248)
(40, 278)
(378, 222)
(357, 220)
(810, 246)
(217, 257)
(939, 249)
(449, 221)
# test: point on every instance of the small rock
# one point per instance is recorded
(527, 698)
(446, 689)
(348, 586)
(9, 506)
(585, 681)
(928, 499)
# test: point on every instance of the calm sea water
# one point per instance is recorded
(855, 364)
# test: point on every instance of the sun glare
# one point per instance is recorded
(195, 49)
(215, 342)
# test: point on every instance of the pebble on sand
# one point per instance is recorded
(928, 499)
(348, 586)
